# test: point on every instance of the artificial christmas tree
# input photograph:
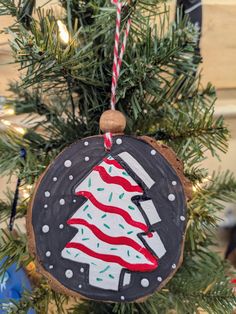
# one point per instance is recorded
(66, 87)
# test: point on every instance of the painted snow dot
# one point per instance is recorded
(171, 197)
(86, 143)
(62, 201)
(174, 182)
(67, 163)
(145, 282)
(119, 141)
(47, 194)
(69, 273)
(45, 229)
(174, 266)
(115, 230)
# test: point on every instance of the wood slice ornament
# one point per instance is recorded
(110, 225)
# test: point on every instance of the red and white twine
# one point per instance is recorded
(117, 62)
(118, 58)
(107, 141)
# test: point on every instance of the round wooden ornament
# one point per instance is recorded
(110, 226)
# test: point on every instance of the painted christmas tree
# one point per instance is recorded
(113, 233)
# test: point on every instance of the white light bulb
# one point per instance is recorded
(63, 32)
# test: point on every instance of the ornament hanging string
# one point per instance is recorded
(117, 61)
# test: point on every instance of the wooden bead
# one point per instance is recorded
(112, 121)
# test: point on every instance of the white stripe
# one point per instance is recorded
(150, 211)
(126, 280)
(137, 168)
(195, 6)
(155, 244)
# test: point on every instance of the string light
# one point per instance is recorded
(201, 184)
(6, 122)
(63, 32)
(19, 129)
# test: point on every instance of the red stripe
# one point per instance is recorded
(114, 210)
(126, 185)
(113, 258)
(112, 240)
(113, 162)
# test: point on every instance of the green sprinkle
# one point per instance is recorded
(82, 230)
(138, 256)
(103, 216)
(86, 207)
(89, 182)
(131, 207)
(93, 263)
(100, 189)
(111, 276)
(128, 253)
(76, 254)
(129, 232)
(89, 216)
(125, 173)
(113, 249)
(110, 168)
(98, 244)
(99, 279)
(105, 225)
(85, 239)
(105, 269)
(110, 197)
(121, 226)
(67, 251)
(121, 196)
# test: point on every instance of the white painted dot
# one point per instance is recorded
(182, 218)
(80, 286)
(86, 158)
(81, 269)
(74, 201)
(86, 143)
(47, 194)
(171, 197)
(61, 226)
(71, 177)
(174, 182)
(145, 282)
(173, 266)
(54, 179)
(45, 206)
(119, 141)
(48, 253)
(62, 201)
(50, 266)
(153, 152)
(45, 229)
(69, 273)
(122, 298)
(67, 163)
(159, 279)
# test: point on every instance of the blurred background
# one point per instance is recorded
(218, 50)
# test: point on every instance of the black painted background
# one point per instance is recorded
(170, 229)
